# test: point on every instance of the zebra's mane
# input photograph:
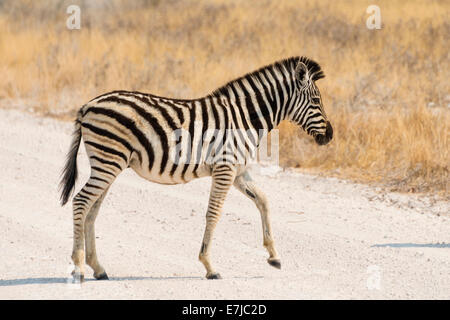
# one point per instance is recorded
(314, 69)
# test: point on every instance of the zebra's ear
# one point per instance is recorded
(301, 75)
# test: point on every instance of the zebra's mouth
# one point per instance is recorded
(323, 139)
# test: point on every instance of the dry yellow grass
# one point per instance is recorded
(386, 91)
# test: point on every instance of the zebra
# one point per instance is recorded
(129, 129)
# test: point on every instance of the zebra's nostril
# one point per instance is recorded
(321, 139)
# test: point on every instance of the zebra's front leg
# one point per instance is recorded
(222, 179)
(245, 184)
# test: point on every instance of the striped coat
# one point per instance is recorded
(171, 141)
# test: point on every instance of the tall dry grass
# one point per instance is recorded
(386, 91)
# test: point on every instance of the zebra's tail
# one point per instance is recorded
(70, 172)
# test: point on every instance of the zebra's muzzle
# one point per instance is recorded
(323, 139)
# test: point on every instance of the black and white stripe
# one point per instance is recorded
(173, 141)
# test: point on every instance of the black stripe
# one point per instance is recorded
(275, 97)
(270, 96)
(280, 94)
(107, 94)
(254, 117)
(243, 118)
(303, 112)
(235, 121)
(313, 129)
(284, 84)
(99, 179)
(316, 122)
(112, 136)
(178, 110)
(300, 108)
(226, 127)
(154, 104)
(152, 121)
(237, 146)
(306, 111)
(268, 89)
(82, 197)
(293, 104)
(112, 163)
(222, 183)
(204, 128)
(261, 104)
(130, 125)
(250, 193)
(222, 168)
(107, 150)
(191, 133)
(80, 201)
(88, 185)
(217, 129)
(178, 155)
(316, 114)
(102, 170)
(89, 193)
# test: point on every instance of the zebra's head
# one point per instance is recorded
(309, 112)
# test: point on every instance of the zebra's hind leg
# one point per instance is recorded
(83, 202)
(91, 253)
(245, 184)
(222, 179)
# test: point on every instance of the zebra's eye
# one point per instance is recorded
(315, 100)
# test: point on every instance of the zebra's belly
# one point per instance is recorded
(167, 177)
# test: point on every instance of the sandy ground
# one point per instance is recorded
(336, 239)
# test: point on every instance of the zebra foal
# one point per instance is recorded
(171, 141)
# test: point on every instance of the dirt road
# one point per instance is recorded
(336, 239)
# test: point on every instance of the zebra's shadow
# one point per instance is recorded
(61, 280)
(26, 281)
(412, 245)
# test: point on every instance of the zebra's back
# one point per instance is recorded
(161, 139)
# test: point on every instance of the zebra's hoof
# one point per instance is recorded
(276, 263)
(213, 276)
(101, 276)
(78, 277)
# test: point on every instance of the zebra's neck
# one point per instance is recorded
(264, 97)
